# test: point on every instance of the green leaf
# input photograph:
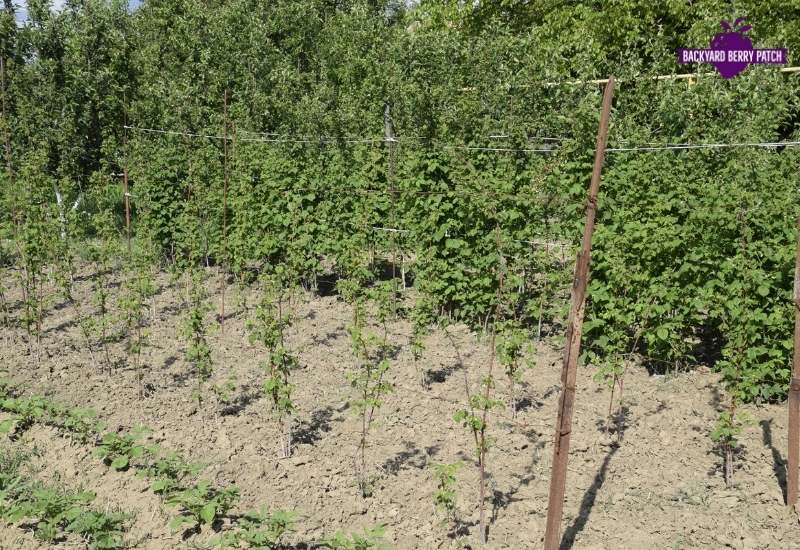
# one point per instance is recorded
(7, 425)
(178, 521)
(120, 463)
(208, 512)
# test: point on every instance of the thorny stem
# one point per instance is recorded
(24, 284)
(6, 137)
(368, 393)
(38, 293)
(541, 311)
(482, 435)
(286, 435)
(619, 379)
(139, 360)
(513, 396)
(728, 444)
(620, 417)
(85, 334)
(4, 305)
(611, 404)
(103, 329)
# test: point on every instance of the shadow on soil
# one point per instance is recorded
(589, 498)
(411, 456)
(439, 376)
(241, 401)
(502, 500)
(64, 325)
(310, 431)
(778, 464)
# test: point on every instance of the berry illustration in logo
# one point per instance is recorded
(732, 39)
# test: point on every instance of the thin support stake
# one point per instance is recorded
(392, 143)
(794, 389)
(126, 191)
(224, 281)
(6, 136)
(566, 402)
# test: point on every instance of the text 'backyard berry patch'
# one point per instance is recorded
(732, 51)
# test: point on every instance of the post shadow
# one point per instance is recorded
(778, 463)
(568, 539)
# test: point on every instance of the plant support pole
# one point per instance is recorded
(224, 258)
(794, 389)
(566, 402)
(6, 137)
(126, 191)
(390, 140)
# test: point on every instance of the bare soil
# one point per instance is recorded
(654, 481)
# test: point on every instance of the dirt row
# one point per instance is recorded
(660, 487)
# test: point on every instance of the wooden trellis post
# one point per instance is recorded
(566, 402)
(794, 388)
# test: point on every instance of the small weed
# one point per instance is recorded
(81, 424)
(56, 511)
(224, 392)
(25, 412)
(201, 505)
(168, 473)
(258, 531)
(118, 451)
(371, 539)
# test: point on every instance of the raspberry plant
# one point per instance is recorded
(480, 404)
(725, 435)
(741, 344)
(194, 330)
(422, 317)
(32, 248)
(272, 317)
(444, 499)
(371, 352)
(510, 353)
(132, 304)
(101, 253)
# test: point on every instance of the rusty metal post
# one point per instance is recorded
(566, 402)
(794, 388)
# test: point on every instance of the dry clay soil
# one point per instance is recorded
(660, 487)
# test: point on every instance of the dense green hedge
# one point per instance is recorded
(693, 250)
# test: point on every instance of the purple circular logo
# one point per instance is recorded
(732, 40)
